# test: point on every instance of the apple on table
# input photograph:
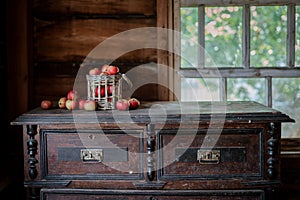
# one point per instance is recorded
(122, 104)
(133, 103)
(72, 95)
(62, 102)
(46, 104)
(90, 105)
(81, 103)
(71, 104)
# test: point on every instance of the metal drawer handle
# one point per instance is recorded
(208, 156)
(88, 155)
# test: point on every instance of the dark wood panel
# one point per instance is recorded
(240, 154)
(164, 58)
(290, 173)
(290, 144)
(147, 92)
(60, 194)
(290, 167)
(114, 164)
(94, 7)
(66, 40)
(70, 69)
(16, 51)
(51, 88)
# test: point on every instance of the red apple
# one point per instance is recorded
(122, 104)
(46, 104)
(62, 102)
(94, 71)
(90, 105)
(71, 104)
(96, 92)
(104, 68)
(102, 91)
(112, 70)
(81, 103)
(72, 95)
(133, 103)
(110, 89)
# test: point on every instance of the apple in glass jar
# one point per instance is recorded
(95, 71)
(112, 70)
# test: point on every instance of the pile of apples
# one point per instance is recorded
(127, 104)
(105, 70)
(72, 100)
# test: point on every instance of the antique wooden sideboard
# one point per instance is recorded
(163, 150)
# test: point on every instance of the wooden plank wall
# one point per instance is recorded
(65, 32)
(14, 85)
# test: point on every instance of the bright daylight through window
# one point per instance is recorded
(254, 47)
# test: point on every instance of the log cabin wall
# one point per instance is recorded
(65, 32)
(15, 77)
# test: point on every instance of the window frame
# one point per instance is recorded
(246, 71)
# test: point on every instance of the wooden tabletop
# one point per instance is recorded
(160, 111)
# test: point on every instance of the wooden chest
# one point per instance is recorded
(163, 150)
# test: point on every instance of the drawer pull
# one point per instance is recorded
(208, 156)
(91, 155)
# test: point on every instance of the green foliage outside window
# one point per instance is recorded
(223, 36)
(268, 27)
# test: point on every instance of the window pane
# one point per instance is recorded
(268, 36)
(223, 36)
(246, 89)
(286, 98)
(200, 89)
(297, 46)
(189, 37)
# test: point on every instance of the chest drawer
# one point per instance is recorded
(90, 154)
(93, 194)
(217, 154)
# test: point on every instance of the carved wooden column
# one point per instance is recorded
(272, 152)
(150, 149)
(32, 151)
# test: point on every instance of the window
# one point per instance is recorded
(241, 51)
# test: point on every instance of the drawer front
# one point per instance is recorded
(235, 153)
(80, 194)
(89, 154)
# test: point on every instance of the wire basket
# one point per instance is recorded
(104, 89)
